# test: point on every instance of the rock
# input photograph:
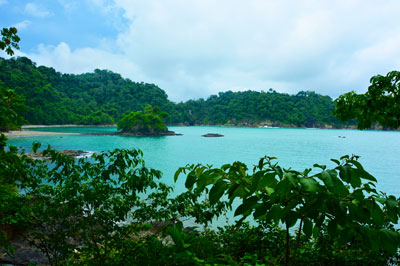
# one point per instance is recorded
(137, 134)
(212, 135)
(70, 153)
(23, 254)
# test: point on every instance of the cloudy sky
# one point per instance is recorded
(195, 48)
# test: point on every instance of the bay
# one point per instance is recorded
(295, 148)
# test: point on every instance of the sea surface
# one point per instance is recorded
(298, 149)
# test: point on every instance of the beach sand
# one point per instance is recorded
(31, 133)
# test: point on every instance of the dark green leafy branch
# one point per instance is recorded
(380, 104)
(9, 40)
(343, 201)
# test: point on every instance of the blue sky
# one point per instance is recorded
(196, 48)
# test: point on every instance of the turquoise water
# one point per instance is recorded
(295, 148)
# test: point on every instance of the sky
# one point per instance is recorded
(196, 48)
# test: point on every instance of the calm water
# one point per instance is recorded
(295, 148)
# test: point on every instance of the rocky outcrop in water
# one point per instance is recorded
(70, 153)
(137, 134)
(212, 135)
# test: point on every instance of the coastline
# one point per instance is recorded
(30, 133)
(25, 132)
(68, 125)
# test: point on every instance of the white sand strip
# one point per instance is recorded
(30, 133)
(39, 126)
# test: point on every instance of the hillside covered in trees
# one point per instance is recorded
(102, 97)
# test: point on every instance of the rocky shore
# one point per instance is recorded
(70, 153)
(212, 135)
(136, 134)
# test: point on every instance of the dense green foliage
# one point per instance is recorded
(103, 97)
(148, 121)
(97, 211)
(250, 107)
(333, 202)
(12, 109)
(11, 105)
(54, 98)
(380, 104)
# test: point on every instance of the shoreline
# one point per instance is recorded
(25, 132)
(30, 133)
(68, 125)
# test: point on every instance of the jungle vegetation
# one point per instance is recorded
(148, 121)
(379, 105)
(102, 97)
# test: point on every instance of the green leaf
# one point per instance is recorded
(267, 180)
(190, 180)
(316, 231)
(307, 227)
(344, 173)
(175, 235)
(323, 167)
(177, 173)
(292, 178)
(336, 161)
(247, 206)
(377, 215)
(217, 191)
(309, 184)
(36, 146)
(338, 187)
(391, 202)
(332, 227)
(261, 209)
(292, 218)
(275, 213)
(355, 179)
(389, 240)
(326, 178)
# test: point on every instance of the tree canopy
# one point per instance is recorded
(11, 104)
(102, 97)
(148, 121)
(380, 104)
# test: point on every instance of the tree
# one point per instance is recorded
(149, 121)
(9, 40)
(11, 105)
(380, 104)
(341, 202)
(11, 109)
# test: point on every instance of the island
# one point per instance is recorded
(149, 122)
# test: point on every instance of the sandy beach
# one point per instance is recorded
(31, 133)
(34, 133)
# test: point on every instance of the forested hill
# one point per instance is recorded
(92, 98)
(248, 107)
(103, 96)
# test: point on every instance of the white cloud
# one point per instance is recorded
(69, 5)
(23, 24)
(36, 11)
(196, 48)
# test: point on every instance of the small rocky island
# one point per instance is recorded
(149, 122)
(212, 135)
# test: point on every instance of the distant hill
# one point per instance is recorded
(103, 97)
